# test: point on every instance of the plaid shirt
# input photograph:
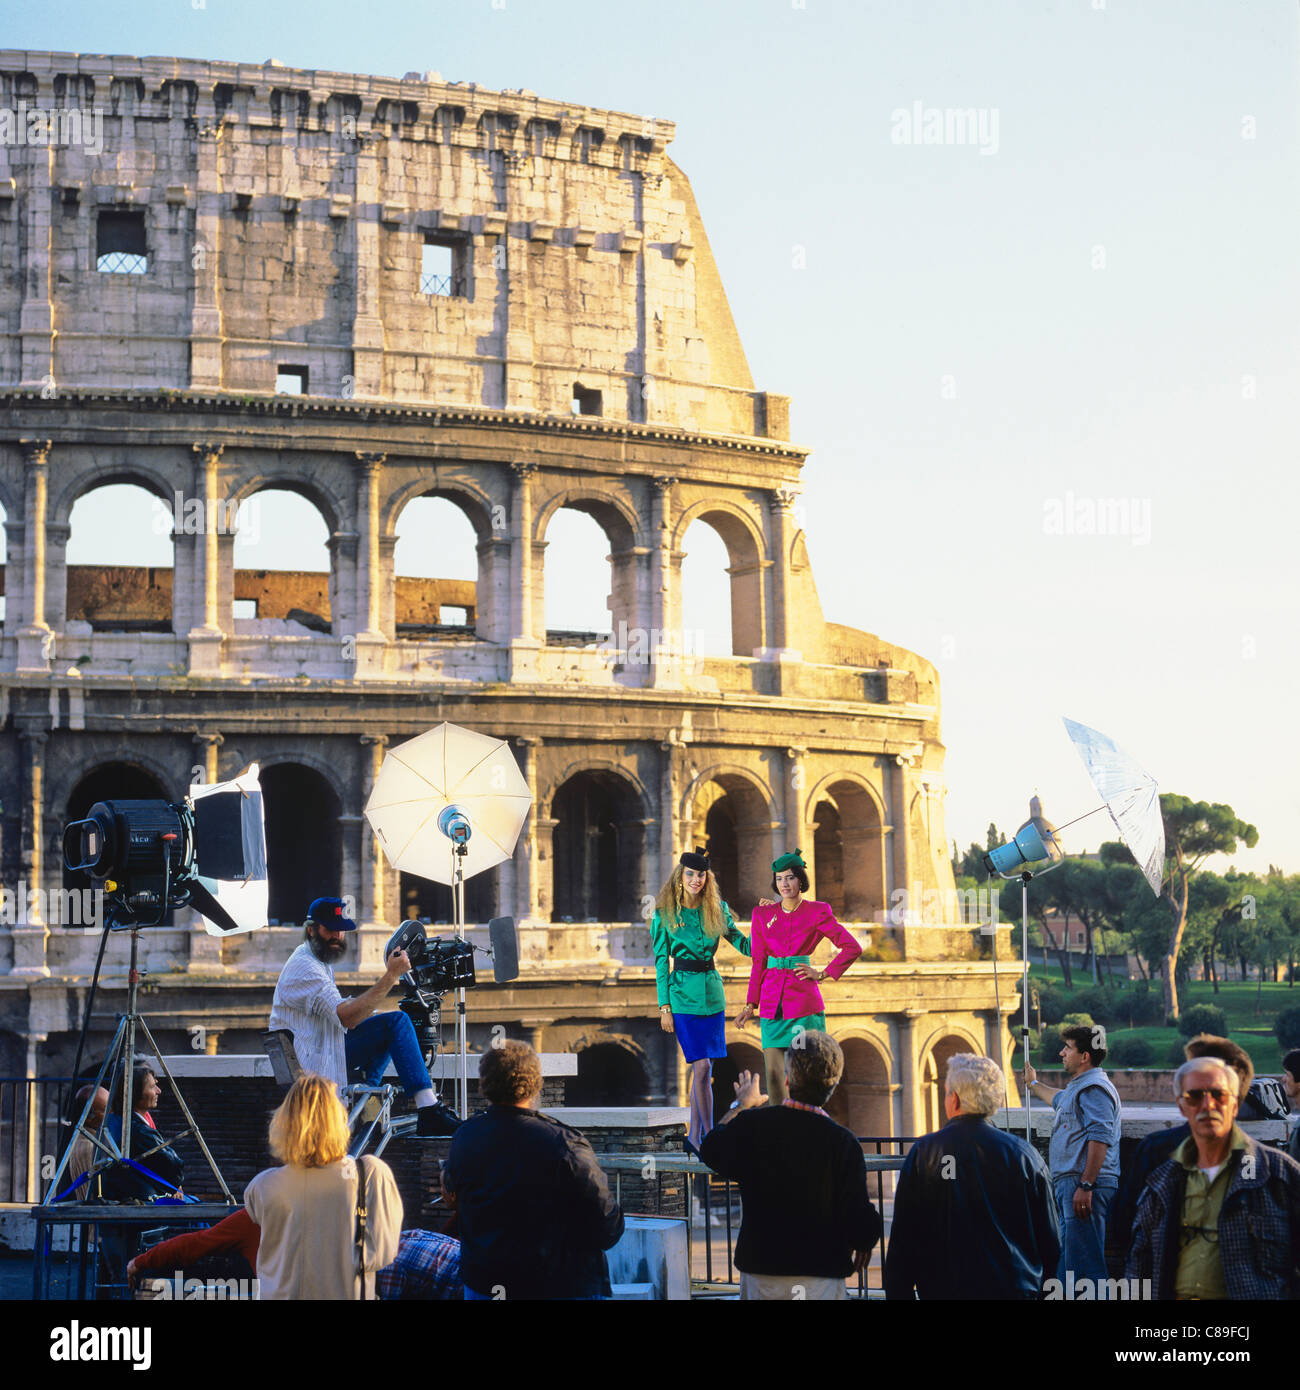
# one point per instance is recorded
(1258, 1231)
(427, 1267)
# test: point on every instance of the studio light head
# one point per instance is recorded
(207, 852)
(1035, 849)
(454, 824)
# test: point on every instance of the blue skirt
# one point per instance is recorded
(701, 1035)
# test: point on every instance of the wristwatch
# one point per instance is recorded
(1087, 1186)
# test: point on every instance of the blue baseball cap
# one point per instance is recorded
(328, 912)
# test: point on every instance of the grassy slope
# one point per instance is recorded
(1248, 1026)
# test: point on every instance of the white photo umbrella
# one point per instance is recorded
(1131, 795)
(447, 805)
(448, 766)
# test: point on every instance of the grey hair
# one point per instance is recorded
(1199, 1064)
(977, 1082)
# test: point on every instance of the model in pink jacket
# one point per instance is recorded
(781, 993)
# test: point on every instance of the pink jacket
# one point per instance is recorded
(780, 934)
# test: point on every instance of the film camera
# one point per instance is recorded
(440, 964)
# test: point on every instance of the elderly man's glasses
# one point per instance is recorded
(1195, 1096)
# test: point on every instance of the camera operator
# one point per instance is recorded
(332, 1034)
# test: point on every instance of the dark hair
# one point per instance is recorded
(800, 873)
(814, 1064)
(139, 1073)
(1210, 1045)
(1291, 1062)
(1085, 1038)
(509, 1073)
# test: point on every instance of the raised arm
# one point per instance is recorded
(758, 966)
(733, 933)
(359, 1008)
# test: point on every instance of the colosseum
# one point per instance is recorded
(368, 291)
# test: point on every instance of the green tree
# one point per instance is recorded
(971, 864)
(1194, 830)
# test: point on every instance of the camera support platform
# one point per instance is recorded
(120, 1059)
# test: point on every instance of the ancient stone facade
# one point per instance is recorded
(509, 303)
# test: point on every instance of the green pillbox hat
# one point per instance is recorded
(793, 860)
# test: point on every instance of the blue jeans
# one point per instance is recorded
(369, 1046)
(1083, 1243)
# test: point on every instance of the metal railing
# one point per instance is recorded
(720, 1197)
(31, 1131)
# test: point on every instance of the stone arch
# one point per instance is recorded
(245, 579)
(863, 1101)
(848, 846)
(489, 604)
(128, 777)
(742, 534)
(595, 819)
(137, 595)
(943, 1043)
(466, 493)
(334, 511)
(164, 774)
(612, 510)
(108, 474)
(608, 765)
(734, 820)
(611, 1071)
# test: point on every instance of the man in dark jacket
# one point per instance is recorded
(1154, 1149)
(1221, 1218)
(808, 1223)
(1291, 1085)
(535, 1211)
(974, 1215)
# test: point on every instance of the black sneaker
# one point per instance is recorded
(436, 1121)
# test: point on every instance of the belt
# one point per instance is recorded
(692, 967)
(787, 962)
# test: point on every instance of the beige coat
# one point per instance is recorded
(308, 1221)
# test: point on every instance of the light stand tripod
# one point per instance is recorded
(121, 1055)
(459, 849)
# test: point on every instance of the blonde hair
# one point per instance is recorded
(310, 1129)
(669, 904)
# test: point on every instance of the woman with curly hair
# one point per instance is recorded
(315, 1244)
(689, 920)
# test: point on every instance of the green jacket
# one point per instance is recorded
(692, 992)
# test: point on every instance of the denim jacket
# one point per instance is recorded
(1087, 1109)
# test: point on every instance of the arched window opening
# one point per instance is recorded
(283, 582)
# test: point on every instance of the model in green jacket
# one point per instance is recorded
(689, 920)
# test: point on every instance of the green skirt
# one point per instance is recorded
(781, 1032)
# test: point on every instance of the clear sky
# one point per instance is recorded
(1090, 312)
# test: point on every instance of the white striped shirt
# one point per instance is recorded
(306, 1003)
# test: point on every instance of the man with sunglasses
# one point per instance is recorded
(1220, 1219)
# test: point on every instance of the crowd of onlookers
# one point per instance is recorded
(1200, 1211)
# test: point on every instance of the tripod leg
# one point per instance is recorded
(185, 1110)
(79, 1128)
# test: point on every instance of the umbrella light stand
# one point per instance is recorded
(458, 852)
(1024, 994)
